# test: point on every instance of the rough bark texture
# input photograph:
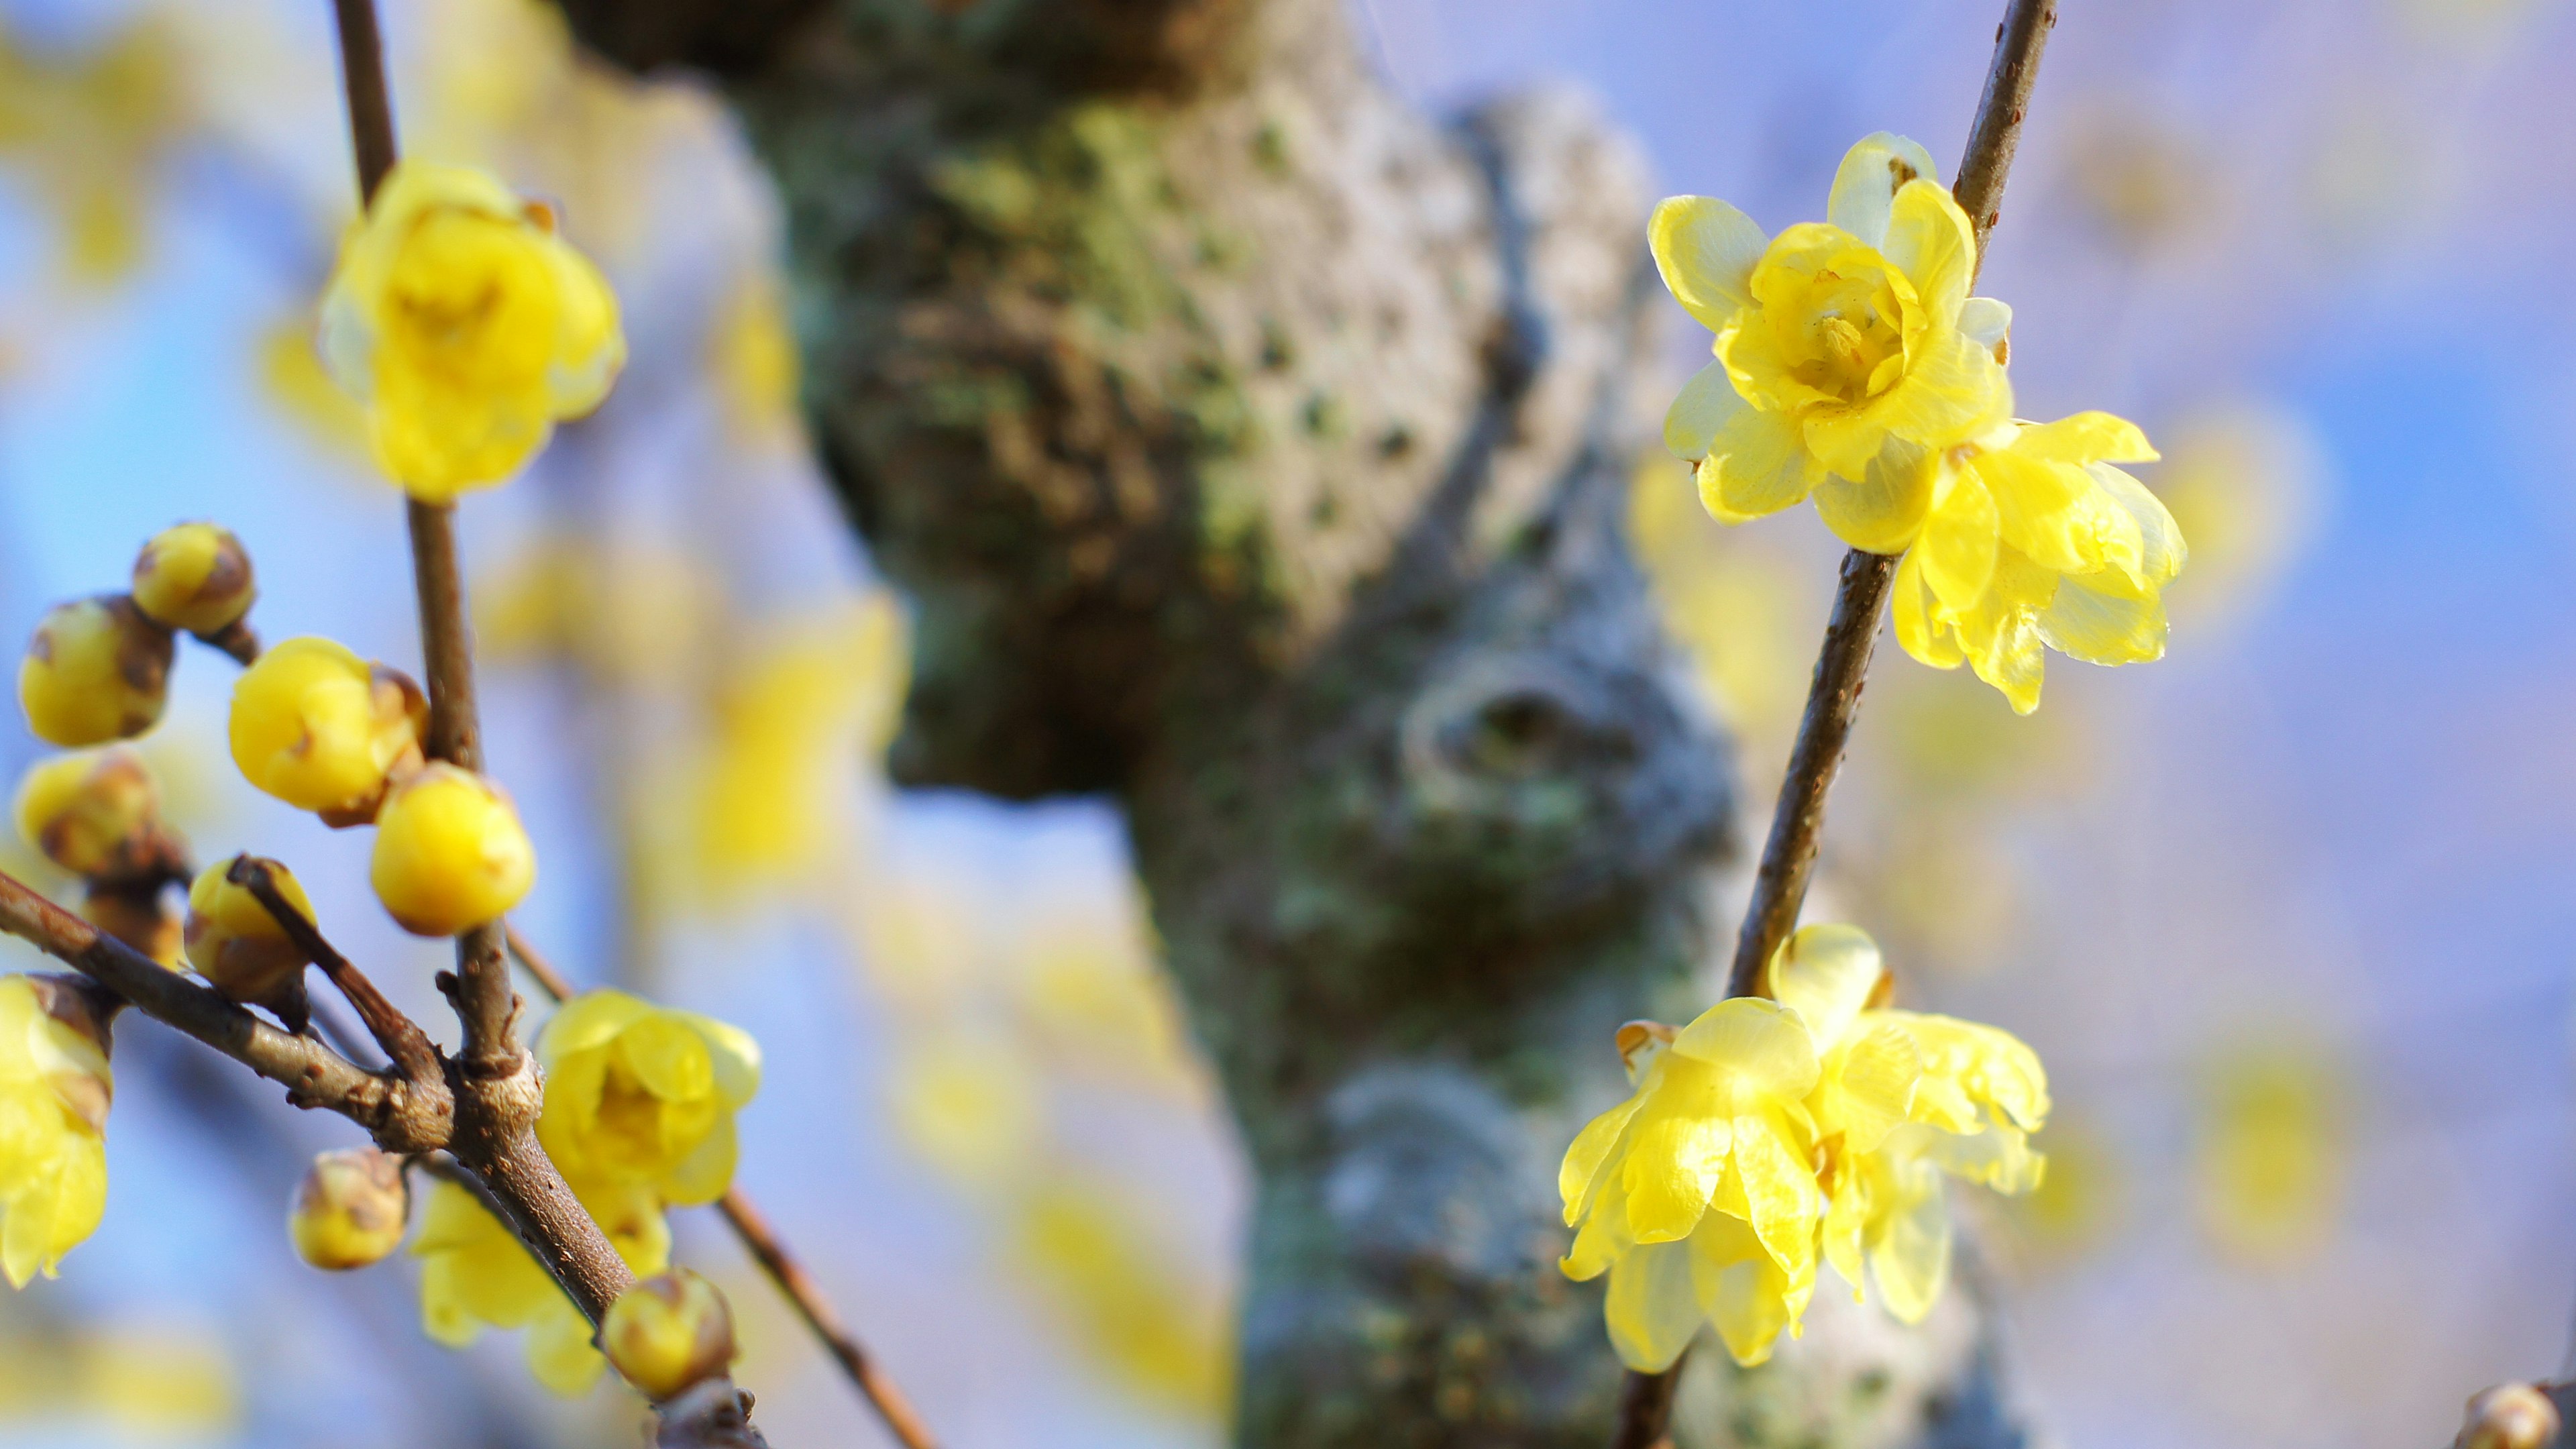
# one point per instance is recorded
(1254, 450)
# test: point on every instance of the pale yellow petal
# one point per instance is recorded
(1756, 464)
(1986, 322)
(735, 1054)
(1780, 1192)
(1951, 390)
(2104, 619)
(1877, 1083)
(1669, 1170)
(1604, 1237)
(1883, 512)
(1930, 241)
(1581, 1170)
(1765, 1054)
(1873, 171)
(589, 1020)
(1705, 250)
(1652, 1308)
(1912, 608)
(1826, 973)
(560, 1355)
(1911, 1259)
(2161, 551)
(1700, 411)
(1958, 546)
(2086, 438)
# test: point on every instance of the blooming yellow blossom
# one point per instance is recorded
(450, 853)
(194, 576)
(97, 670)
(1697, 1195)
(1903, 1099)
(322, 729)
(1833, 339)
(476, 1274)
(2029, 537)
(645, 1094)
(54, 1092)
(466, 327)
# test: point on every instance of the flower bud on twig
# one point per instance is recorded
(668, 1333)
(196, 577)
(350, 1209)
(98, 815)
(97, 670)
(2510, 1416)
(450, 852)
(236, 944)
(323, 730)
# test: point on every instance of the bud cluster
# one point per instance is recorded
(98, 669)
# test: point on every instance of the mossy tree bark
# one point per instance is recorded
(1254, 450)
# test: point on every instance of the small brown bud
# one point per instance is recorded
(2510, 1416)
(350, 1209)
(669, 1332)
(135, 917)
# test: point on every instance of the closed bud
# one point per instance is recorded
(196, 577)
(235, 943)
(350, 1209)
(134, 916)
(97, 670)
(72, 1045)
(669, 1333)
(450, 853)
(2510, 1416)
(96, 814)
(323, 730)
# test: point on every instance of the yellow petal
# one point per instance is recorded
(1826, 973)
(2087, 437)
(1763, 1053)
(1756, 464)
(1705, 250)
(2053, 512)
(1883, 512)
(560, 1355)
(1929, 240)
(2161, 551)
(1960, 534)
(707, 1171)
(1952, 389)
(1780, 1195)
(1746, 1295)
(1652, 1308)
(1604, 1238)
(1986, 322)
(1700, 411)
(1873, 171)
(1917, 631)
(589, 1020)
(1669, 1170)
(735, 1054)
(1576, 1176)
(1911, 1259)
(1876, 1086)
(2103, 619)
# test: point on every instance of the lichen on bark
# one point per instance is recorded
(1254, 450)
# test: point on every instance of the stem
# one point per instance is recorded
(362, 77)
(1842, 664)
(403, 1041)
(751, 1226)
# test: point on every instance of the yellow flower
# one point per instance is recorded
(476, 1274)
(97, 813)
(1903, 1098)
(669, 1332)
(1697, 1194)
(322, 729)
(54, 1092)
(236, 944)
(466, 327)
(2030, 537)
(1832, 339)
(450, 853)
(96, 671)
(350, 1209)
(195, 576)
(645, 1094)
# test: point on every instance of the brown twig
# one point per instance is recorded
(409, 1048)
(1842, 664)
(402, 1116)
(767, 1249)
(237, 639)
(371, 107)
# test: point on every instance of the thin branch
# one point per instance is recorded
(771, 1252)
(402, 1116)
(410, 1048)
(237, 639)
(371, 108)
(1842, 664)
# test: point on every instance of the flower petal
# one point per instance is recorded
(1700, 411)
(1670, 1170)
(2102, 618)
(1764, 1053)
(1877, 1082)
(1755, 465)
(1705, 250)
(1930, 241)
(1826, 973)
(2087, 437)
(1780, 1195)
(1873, 171)
(1577, 1176)
(1652, 1307)
(1960, 534)
(1918, 629)
(1884, 510)
(589, 1020)
(1986, 322)
(1911, 1258)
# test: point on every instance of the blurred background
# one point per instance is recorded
(2287, 914)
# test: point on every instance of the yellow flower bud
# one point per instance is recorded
(196, 577)
(96, 814)
(322, 729)
(669, 1333)
(350, 1209)
(135, 917)
(2510, 1416)
(466, 327)
(237, 945)
(450, 852)
(97, 670)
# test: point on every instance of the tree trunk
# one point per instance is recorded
(1255, 451)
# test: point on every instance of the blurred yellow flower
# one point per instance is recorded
(2028, 538)
(1697, 1194)
(92, 128)
(157, 1382)
(1832, 339)
(2272, 1148)
(969, 1104)
(350, 1210)
(466, 327)
(299, 386)
(644, 1094)
(475, 1274)
(753, 357)
(2242, 480)
(55, 1087)
(322, 729)
(94, 813)
(1160, 1332)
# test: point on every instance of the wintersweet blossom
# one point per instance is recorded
(55, 1087)
(1697, 1195)
(644, 1094)
(466, 327)
(476, 1274)
(1833, 339)
(2029, 537)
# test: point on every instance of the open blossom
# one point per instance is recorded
(1768, 1134)
(644, 1094)
(54, 1092)
(2029, 538)
(1833, 339)
(476, 1274)
(466, 327)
